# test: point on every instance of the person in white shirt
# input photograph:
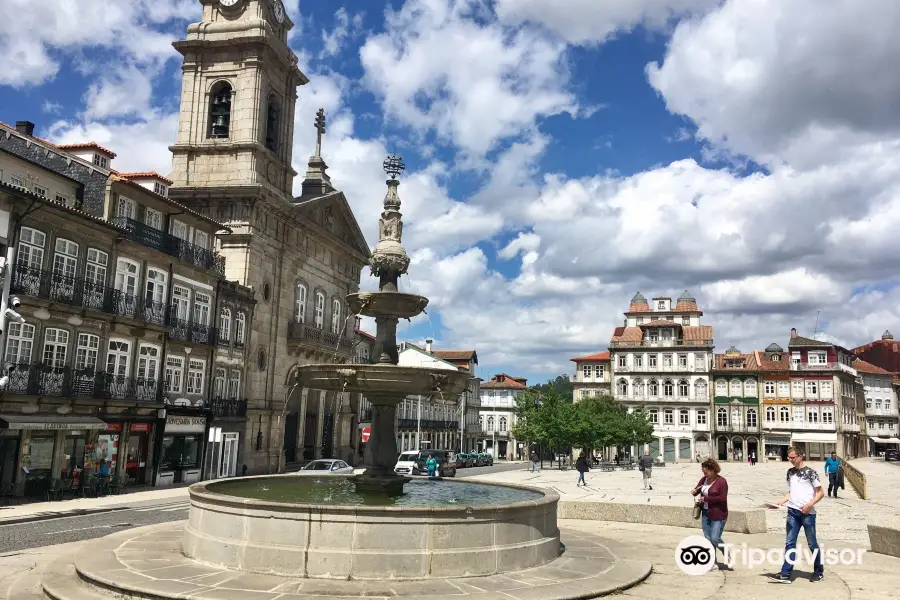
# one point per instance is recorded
(804, 492)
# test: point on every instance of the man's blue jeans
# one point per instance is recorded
(796, 520)
(712, 530)
(581, 478)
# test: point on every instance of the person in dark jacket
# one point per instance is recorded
(582, 466)
(712, 493)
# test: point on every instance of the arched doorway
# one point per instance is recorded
(722, 448)
(753, 448)
(701, 447)
(737, 449)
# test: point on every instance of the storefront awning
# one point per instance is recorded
(884, 440)
(822, 438)
(53, 423)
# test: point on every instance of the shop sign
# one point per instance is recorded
(784, 441)
(113, 427)
(182, 424)
(140, 427)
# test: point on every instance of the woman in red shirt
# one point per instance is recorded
(712, 495)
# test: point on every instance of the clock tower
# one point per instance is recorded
(239, 83)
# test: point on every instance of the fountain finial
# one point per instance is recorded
(393, 166)
(389, 260)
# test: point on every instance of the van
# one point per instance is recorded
(406, 462)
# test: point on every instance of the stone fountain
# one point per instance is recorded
(292, 537)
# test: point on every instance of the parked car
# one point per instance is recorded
(446, 462)
(326, 466)
(488, 459)
(406, 462)
(892, 454)
(464, 460)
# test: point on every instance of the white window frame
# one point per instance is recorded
(769, 388)
(87, 351)
(684, 417)
(225, 324)
(157, 279)
(320, 309)
(771, 414)
(586, 371)
(174, 374)
(219, 383)
(821, 357)
(123, 274)
(195, 372)
(181, 299)
(598, 371)
(234, 384)
(654, 416)
(56, 348)
(19, 343)
(300, 293)
(31, 248)
(701, 417)
(721, 417)
(160, 188)
(154, 218)
(668, 416)
(202, 308)
(240, 326)
(95, 269)
(120, 353)
(201, 239)
(153, 359)
(126, 208)
(336, 311)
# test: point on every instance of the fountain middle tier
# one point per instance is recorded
(387, 304)
(383, 379)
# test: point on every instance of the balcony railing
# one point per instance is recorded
(228, 407)
(660, 343)
(189, 332)
(850, 427)
(660, 369)
(83, 293)
(800, 426)
(300, 332)
(172, 245)
(737, 428)
(661, 399)
(43, 380)
(882, 412)
(825, 367)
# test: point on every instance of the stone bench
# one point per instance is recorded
(884, 540)
(739, 521)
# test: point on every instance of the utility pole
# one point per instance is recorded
(7, 310)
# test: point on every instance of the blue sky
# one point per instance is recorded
(561, 155)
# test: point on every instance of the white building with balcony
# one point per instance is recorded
(498, 416)
(660, 361)
(882, 414)
(592, 376)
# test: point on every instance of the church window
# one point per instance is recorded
(272, 124)
(300, 304)
(320, 309)
(336, 316)
(220, 110)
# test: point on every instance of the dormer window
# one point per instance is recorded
(817, 358)
(272, 124)
(160, 189)
(661, 305)
(220, 110)
(101, 161)
(776, 358)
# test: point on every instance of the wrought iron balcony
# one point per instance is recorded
(648, 343)
(189, 332)
(300, 332)
(171, 245)
(228, 407)
(44, 380)
(737, 428)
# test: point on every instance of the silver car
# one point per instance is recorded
(327, 466)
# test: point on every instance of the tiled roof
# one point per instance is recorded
(801, 342)
(146, 175)
(770, 365)
(182, 207)
(748, 362)
(599, 356)
(502, 380)
(365, 334)
(699, 332)
(660, 323)
(86, 145)
(774, 348)
(639, 304)
(867, 367)
(627, 334)
(32, 196)
(686, 302)
(455, 354)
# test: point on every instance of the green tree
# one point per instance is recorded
(561, 385)
(546, 418)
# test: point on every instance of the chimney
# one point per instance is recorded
(25, 128)
(428, 342)
(793, 332)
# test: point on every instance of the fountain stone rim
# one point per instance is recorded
(201, 492)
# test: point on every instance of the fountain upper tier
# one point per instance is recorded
(383, 379)
(387, 304)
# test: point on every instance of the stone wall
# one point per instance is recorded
(884, 540)
(856, 478)
(739, 521)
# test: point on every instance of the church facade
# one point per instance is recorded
(301, 256)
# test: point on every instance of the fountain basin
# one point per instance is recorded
(369, 541)
(382, 379)
(387, 304)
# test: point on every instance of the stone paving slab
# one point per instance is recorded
(148, 563)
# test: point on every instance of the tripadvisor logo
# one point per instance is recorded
(695, 555)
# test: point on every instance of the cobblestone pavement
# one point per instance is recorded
(840, 520)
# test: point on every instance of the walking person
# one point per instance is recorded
(804, 492)
(534, 461)
(646, 466)
(431, 466)
(582, 466)
(832, 467)
(712, 494)
(753, 457)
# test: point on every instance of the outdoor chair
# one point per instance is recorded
(117, 486)
(54, 490)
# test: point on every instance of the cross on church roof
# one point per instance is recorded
(320, 129)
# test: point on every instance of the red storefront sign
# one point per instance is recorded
(140, 427)
(113, 427)
(366, 432)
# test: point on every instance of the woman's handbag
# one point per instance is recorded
(698, 510)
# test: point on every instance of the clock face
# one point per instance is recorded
(228, 3)
(279, 11)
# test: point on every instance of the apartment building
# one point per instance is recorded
(498, 417)
(467, 360)
(119, 288)
(660, 361)
(882, 415)
(826, 408)
(593, 376)
(736, 405)
(775, 390)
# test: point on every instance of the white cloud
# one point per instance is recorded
(450, 67)
(345, 27)
(593, 21)
(123, 92)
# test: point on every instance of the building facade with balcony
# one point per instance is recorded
(826, 409)
(660, 361)
(301, 256)
(592, 376)
(498, 417)
(470, 401)
(736, 417)
(775, 392)
(118, 285)
(882, 414)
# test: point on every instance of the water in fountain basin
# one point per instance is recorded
(341, 490)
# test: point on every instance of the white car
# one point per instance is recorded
(327, 466)
(406, 462)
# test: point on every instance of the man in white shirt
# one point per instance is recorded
(804, 491)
